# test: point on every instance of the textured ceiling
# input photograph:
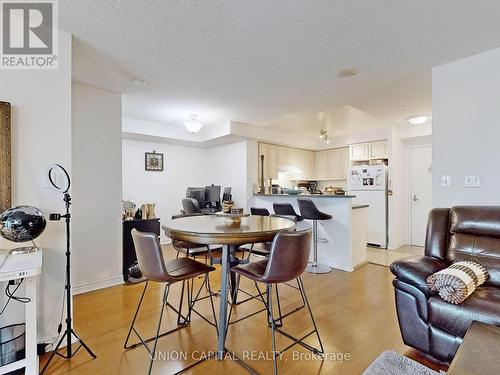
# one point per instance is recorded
(275, 63)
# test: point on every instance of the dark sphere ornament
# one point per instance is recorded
(22, 223)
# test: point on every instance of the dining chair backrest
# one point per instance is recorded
(190, 206)
(259, 211)
(286, 209)
(289, 256)
(150, 256)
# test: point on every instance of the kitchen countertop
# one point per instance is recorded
(307, 195)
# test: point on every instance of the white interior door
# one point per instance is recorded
(420, 192)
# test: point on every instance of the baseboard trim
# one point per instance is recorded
(95, 285)
(166, 241)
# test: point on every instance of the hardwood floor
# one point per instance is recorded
(355, 313)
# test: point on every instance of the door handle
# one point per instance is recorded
(415, 198)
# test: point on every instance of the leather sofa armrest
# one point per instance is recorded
(415, 271)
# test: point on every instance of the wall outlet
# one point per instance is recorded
(445, 181)
(472, 181)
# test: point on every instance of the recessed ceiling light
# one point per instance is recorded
(417, 119)
(346, 73)
(403, 108)
(139, 83)
(193, 126)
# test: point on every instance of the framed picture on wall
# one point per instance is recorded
(154, 161)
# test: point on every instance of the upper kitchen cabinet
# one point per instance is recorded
(379, 150)
(320, 165)
(337, 163)
(359, 151)
(369, 151)
(270, 153)
(284, 156)
(273, 161)
(308, 165)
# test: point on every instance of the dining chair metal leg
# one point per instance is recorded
(179, 314)
(269, 288)
(182, 321)
(153, 355)
(301, 284)
(125, 346)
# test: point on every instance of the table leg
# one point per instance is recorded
(30, 342)
(233, 280)
(226, 268)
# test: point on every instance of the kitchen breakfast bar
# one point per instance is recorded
(341, 240)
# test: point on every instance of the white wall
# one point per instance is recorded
(225, 165)
(228, 167)
(466, 129)
(97, 187)
(41, 135)
(183, 167)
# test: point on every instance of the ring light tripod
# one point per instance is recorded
(56, 172)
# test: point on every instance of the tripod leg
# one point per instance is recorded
(52, 354)
(84, 345)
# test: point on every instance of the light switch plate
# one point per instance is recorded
(445, 181)
(472, 181)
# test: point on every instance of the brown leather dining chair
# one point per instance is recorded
(181, 270)
(288, 260)
(193, 249)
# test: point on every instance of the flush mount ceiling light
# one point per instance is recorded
(193, 126)
(139, 83)
(417, 119)
(346, 73)
(323, 136)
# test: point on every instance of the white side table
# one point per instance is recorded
(27, 267)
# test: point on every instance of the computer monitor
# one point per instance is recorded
(226, 196)
(212, 193)
(197, 193)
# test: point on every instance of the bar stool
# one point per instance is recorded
(309, 211)
(259, 211)
(286, 209)
(154, 268)
(287, 261)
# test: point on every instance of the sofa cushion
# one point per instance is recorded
(475, 236)
(483, 305)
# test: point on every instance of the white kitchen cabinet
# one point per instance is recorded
(337, 163)
(359, 151)
(369, 151)
(345, 163)
(270, 153)
(273, 161)
(321, 165)
(379, 150)
(308, 165)
(283, 156)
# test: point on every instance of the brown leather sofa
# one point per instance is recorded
(428, 323)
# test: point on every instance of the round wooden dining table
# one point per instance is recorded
(212, 230)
